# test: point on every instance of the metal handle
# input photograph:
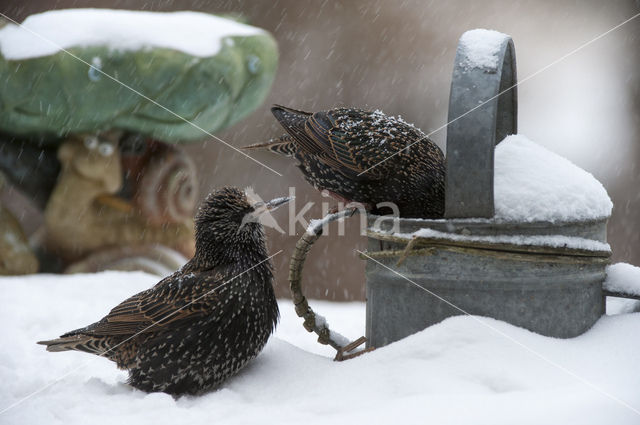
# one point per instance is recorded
(478, 119)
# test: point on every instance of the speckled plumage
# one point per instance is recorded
(335, 150)
(194, 347)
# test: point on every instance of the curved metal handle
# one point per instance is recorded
(485, 66)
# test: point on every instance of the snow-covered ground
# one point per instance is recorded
(464, 370)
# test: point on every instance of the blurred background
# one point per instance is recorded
(398, 56)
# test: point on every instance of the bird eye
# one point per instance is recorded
(253, 63)
(105, 149)
(91, 142)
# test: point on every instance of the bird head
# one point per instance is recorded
(231, 216)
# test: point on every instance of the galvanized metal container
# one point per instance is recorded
(554, 291)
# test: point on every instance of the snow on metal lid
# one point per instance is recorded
(194, 33)
(553, 241)
(482, 47)
(532, 183)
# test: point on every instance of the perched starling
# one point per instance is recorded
(360, 156)
(202, 324)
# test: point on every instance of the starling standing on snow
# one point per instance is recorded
(360, 156)
(202, 324)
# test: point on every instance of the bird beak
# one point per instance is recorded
(261, 210)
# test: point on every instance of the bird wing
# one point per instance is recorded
(174, 299)
(294, 122)
(348, 140)
(311, 137)
(341, 148)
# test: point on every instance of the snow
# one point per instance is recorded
(622, 305)
(463, 370)
(320, 320)
(482, 47)
(194, 33)
(532, 183)
(377, 127)
(338, 338)
(556, 241)
(348, 318)
(623, 278)
(281, 200)
(316, 224)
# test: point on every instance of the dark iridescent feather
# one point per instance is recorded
(365, 156)
(200, 325)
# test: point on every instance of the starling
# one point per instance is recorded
(364, 156)
(203, 323)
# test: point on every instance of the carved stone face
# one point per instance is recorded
(94, 157)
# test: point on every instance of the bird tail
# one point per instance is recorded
(78, 342)
(283, 145)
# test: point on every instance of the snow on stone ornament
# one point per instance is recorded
(209, 70)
